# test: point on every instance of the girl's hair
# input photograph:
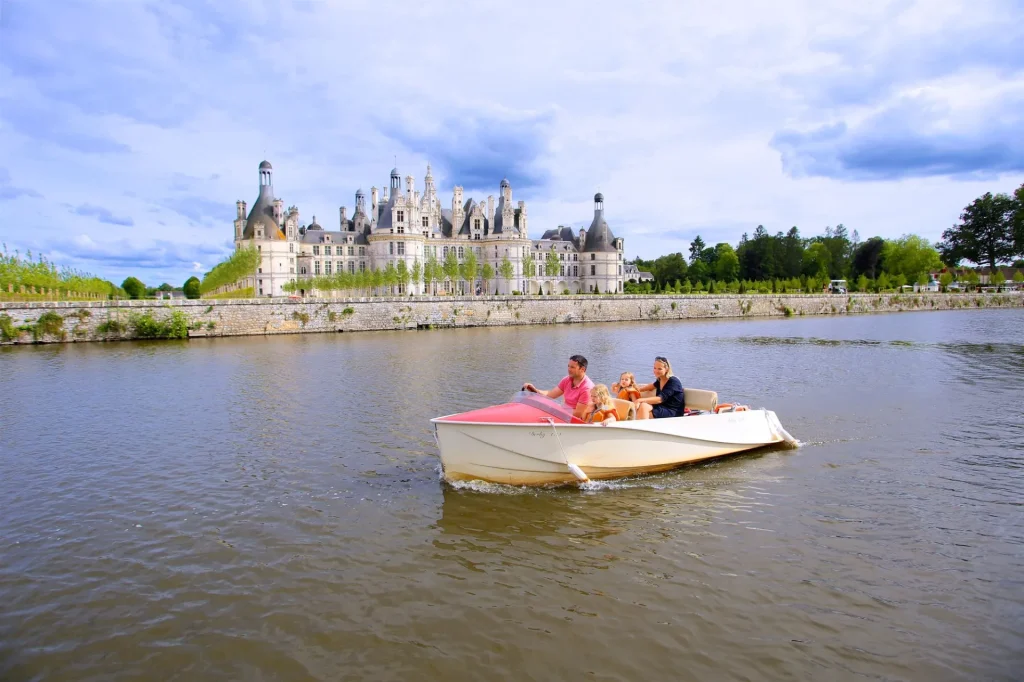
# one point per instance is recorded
(599, 396)
(632, 378)
(668, 366)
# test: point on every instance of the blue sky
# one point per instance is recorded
(129, 128)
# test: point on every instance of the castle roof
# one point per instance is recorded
(262, 215)
(599, 235)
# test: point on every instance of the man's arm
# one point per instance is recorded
(553, 393)
(581, 409)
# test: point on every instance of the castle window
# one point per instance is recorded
(391, 248)
(476, 236)
(561, 271)
(593, 256)
(303, 270)
(362, 250)
(401, 229)
(575, 256)
(476, 224)
(426, 221)
(291, 248)
(351, 267)
(351, 251)
(593, 269)
(327, 251)
(575, 271)
(401, 248)
(316, 250)
(445, 252)
(327, 268)
(401, 216)
(462, 253)
(561, 256)
(316, 267)
(362, 266)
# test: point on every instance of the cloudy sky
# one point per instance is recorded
(129, 128)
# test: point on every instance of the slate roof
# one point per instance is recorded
(262, 214)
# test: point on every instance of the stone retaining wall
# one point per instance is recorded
(114, 320)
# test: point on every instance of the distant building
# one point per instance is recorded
(410, 227)
(631, 273)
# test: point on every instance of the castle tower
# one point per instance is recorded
(601, 254)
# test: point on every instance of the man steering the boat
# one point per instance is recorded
(575, 387)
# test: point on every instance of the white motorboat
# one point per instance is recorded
(533, 440)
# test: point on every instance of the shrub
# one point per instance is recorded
(134, 287)
(48, 324)
(192, 288)
(7, 330)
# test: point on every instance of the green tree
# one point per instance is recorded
(486, 275)
(417, 272)
(817, 259)
(402, 275)
(696, 249)
(551, 264)
(1018, 277)
(867, 259)
(910, 256)
(997, 278)
(945, 279)
(507, 271)
(430, 273)
(468, 271)
(985, 235)
(529, 270)
(668, 268)
(1018, 220)
(727, 264)
(389, 277)
(697, 272)
(191, 288)
(451, 268)
(134, 287)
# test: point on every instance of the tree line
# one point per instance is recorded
(990, 232)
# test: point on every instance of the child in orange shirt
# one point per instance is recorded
(602, 408)
(625, 388)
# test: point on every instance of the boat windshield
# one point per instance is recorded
(544, 404)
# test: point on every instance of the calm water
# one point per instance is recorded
(271, 509)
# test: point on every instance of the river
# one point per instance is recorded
(270, 508)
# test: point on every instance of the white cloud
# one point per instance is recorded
(668, 108)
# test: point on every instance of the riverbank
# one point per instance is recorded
(69, 321)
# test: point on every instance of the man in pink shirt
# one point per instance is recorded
(575, 387)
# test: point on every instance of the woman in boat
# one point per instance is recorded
(625, 388)
(667, 400)
(602, 409)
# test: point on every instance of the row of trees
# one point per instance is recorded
(431, 272)
(990, 232)
(17, 272)
(239, 265)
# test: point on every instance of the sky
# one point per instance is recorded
(129, 128)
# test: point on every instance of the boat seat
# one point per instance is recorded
(624, 410)
(699, 399)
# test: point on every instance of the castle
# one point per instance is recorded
(410, 227)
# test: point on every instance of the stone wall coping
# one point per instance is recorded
(203, 303)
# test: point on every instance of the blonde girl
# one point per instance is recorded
(625, 388)
(602, 408)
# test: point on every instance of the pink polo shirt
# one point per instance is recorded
(580, 394)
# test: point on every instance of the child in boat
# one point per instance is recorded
(625, 388)
(602, 409)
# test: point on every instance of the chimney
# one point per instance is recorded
(278, 210)
(344, 217)
(408, 186)
(490, 209)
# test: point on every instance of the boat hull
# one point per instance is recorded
(538, 453)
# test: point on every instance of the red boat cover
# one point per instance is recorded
(510, 413)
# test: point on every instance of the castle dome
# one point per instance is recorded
(265, 165)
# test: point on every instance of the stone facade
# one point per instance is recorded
(408, 227)
(111, 320)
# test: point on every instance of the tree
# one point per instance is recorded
(1018, 220)
(389, 277)
(191, 287)
(451, 268)
(817, 259)
(403, 275)
(727, 265)
(134, 287)
(431, 270)
(1018, 277)
(696, 249)
(551, 264)
(668, 268)
(945, 279)
(910, 256)
(997, 278)
(985, 234)
(417, 271)
(529, 267)
(506, 271)
(867, 259)
(486, 275)
(468, 271)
